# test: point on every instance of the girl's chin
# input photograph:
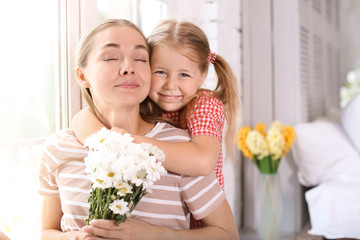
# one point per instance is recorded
(168, 107)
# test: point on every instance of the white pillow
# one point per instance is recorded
(322, 152)
(334, 209)
(350, 121)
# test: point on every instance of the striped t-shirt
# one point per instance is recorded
(173, 197)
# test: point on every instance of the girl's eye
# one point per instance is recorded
(160, 72)
(184, 75)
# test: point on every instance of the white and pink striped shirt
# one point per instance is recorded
(172, 200)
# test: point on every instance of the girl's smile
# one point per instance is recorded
(169, 97)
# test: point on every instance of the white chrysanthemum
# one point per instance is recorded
(114, 162)
(95, 141)
(154, 151)
(119, 207)
(113, 157)
(123, 188)
(134, 174)
(101, 179)
(257, 144)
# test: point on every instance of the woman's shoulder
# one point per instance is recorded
(64, 141)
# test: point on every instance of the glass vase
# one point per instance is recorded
(269, 207)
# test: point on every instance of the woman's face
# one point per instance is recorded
(118, 70)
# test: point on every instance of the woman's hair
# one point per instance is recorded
(83, 50)
(189, 40)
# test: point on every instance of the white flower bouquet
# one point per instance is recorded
(121, 173)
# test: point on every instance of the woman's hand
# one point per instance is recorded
(129, 230)
(77, 235)
(70, 235)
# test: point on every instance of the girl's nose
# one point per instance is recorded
(170, 83)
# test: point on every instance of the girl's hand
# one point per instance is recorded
(129, 230)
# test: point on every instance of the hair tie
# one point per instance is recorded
(212, 57)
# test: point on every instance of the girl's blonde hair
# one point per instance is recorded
(82, 53)
(189, 40)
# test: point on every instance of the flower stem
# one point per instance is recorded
(98, 203)
(106, 207)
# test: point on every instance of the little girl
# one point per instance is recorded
(180, 57)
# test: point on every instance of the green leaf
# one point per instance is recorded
(265, 166)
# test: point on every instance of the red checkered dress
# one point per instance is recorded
(207, 119)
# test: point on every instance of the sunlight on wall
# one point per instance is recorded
(27, 100)
(20, 203)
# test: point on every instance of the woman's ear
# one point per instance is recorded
(81, 77)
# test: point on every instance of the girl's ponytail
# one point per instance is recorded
(226, 91)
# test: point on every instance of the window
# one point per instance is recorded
(29, 98)
(38, 92)
(144, 13)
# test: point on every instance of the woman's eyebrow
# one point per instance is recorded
(140, 46)
(108, 45)
(115, 45)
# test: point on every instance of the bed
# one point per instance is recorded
(327, 154)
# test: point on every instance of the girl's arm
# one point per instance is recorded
(50, 222)
(195, 158)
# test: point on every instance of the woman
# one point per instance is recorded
(114, 72)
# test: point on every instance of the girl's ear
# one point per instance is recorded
(81, 77)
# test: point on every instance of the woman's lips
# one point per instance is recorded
(127, 85)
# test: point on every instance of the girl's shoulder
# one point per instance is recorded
(206, 100)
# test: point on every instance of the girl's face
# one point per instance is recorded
(118, 71)
(175, 79)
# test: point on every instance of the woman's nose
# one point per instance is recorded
(126, 68)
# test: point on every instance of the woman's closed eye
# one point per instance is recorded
(140, 60)
(111, 58)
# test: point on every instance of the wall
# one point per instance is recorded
(350, 35)
(293, 53)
